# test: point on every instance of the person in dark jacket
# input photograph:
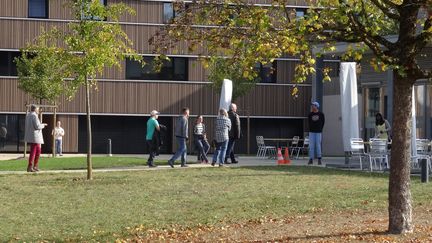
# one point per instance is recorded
(159, 138)
(181, 133)
(152, 126)
(234, 133)
(316, 123)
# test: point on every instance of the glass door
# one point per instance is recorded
(373, 103)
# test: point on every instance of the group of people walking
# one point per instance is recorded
(227, 131)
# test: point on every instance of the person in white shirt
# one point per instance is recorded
(58, 136)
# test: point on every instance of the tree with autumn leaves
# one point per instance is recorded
(395, 31)
(60, 61)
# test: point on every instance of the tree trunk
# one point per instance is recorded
(400, 208)
(89, 132)
(54, 126)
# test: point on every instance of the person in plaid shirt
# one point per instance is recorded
(223, 126)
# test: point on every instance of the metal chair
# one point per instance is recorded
(422, 148)
(262, 148)
(357, 149)
(295, 145)
(304, 148)
(378, 151)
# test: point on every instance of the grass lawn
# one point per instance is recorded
(70, 163)
(64, 207)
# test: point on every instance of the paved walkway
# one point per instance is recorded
(244, 161)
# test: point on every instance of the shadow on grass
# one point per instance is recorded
(312, 170)
(359, 236)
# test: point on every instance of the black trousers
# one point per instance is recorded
(152, 151)
(230, 150)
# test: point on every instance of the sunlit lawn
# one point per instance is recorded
(62, 207)
(69, 163)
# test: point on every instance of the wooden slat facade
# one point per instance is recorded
(14, 8)
(60, 9)
(70, 125)
(17, 33)
(196, 71)
(124, 97)
(116, 96)
(146, 11)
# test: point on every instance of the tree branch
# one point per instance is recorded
(366, 35)
(387, 8)
(425, 37)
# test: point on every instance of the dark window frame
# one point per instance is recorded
(262, 74)
(169, 7)
(94, 18)
(11, 68)
(39, 17)
(303, 10)
(172, 14)
(163, 75)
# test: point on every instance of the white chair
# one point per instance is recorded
(422, 147)
(378, 151)
(357, 149)
(295, 145)
(304, 148)
(262, 148)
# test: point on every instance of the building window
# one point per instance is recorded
(38, 9)
(175, 69)
(266, 73)
(168, 13)
(7, 63)
(90, 17)
(300, 12)
(12, 133)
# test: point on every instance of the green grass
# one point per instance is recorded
(70, 163)
(65, 207)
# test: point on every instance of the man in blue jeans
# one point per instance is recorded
(316, 123)
(181, 133)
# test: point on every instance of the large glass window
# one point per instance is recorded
(266, 73)
(420, 92)
(175, 69)
(429, 112)
(373, 104)
(11, 133)
(168, 12)
(38, 9)
(7, 64)
(90, 17)
(300, 12)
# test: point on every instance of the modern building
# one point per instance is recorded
(124, 97)
(375, 95)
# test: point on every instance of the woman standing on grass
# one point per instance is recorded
(33, 136)
(201, 140)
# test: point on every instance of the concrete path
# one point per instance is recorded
(244, 161)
